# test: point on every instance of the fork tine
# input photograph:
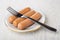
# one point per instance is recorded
(11, 10)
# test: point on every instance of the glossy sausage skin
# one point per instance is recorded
(36, 16)
(17, 20)
(27, 22)
(11, 19)
(23, 11)
(30, 13)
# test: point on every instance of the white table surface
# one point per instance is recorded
(51, 9)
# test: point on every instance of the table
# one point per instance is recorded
(51, 9)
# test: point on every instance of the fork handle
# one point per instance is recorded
(44, 25)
